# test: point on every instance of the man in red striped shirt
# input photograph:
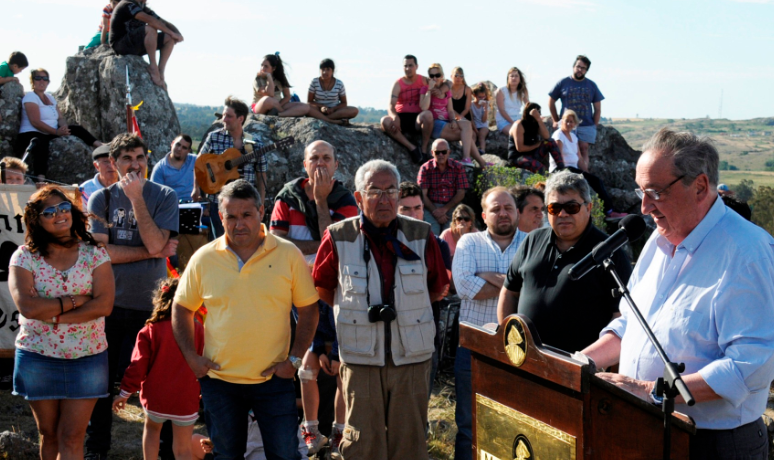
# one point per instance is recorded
(306, 206)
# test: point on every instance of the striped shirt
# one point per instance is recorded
(330, 98)
(477, 253)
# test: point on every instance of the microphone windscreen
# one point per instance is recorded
(633, 225)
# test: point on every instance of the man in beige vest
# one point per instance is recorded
(381, 272)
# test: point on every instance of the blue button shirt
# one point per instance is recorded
(711, 305)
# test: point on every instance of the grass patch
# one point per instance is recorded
(733, 178)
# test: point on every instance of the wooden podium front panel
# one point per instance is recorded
(550, 407)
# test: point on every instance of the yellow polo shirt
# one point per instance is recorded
(248, 310)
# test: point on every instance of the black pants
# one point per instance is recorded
(39, 155)
(121, 329)
(748, 442)
(598, 186)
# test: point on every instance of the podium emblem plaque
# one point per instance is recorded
(515, 345)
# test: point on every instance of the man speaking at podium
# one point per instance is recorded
(705, 284)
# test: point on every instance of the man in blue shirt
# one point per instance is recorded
(106, 173)
(581, 95)
(705, 284)
(176, 169)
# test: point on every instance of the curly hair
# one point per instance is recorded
(37, 238)
(163, 297)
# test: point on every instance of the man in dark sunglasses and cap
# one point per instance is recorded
(568, 314)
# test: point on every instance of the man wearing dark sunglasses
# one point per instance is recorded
(568, 314)
(705, 284)
(444, 183)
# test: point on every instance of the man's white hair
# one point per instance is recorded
(373, 167)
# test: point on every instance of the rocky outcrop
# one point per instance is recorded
(70, 160)
(17, 447)
(611, 158)
(11, 95)
(93, 95)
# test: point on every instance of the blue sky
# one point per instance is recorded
(664, 59)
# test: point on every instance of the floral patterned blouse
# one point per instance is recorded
(68, 341)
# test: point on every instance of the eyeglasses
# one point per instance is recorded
(376, 194)
(572, 207)
(463, 219)
(441, 152)
(64, 207)
(435, 75)
(40, 78)
(654, 194)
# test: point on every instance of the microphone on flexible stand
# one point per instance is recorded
(630, 228)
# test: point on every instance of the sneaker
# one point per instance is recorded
(314, 440)
(416, 155)
(615, 215)
(336, 436)
(467, 162)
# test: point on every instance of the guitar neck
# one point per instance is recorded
(247, 158)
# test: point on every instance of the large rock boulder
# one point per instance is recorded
(11, 95)
(93, 95)
(70, 160)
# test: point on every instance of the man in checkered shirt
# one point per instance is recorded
(478, 269)
(443, 182)
(231, 135)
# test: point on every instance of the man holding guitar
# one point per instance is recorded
(232, 136)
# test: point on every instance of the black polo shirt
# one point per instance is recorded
(568, 314)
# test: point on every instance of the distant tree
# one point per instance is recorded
(732, 168)
(723, 165)
(770, 165)
(762, 205)
(745, 190)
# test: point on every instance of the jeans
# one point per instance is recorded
(274, 406)
(121, 329)
(463, 412)
(436, 227)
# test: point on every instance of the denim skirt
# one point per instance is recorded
(38, 377)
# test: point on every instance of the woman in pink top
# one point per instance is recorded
(445, 123)
(463, 221)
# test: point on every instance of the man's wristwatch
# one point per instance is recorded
(295, 361)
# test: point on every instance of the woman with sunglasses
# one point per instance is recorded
(62, 284)
(462, 222)
(445, 123)
(42, 120)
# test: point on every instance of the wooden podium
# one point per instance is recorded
(536, 402)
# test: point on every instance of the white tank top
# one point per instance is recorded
(512, 106)
(48, 113)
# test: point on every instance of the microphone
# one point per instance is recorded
(630, 228)
(33, 144)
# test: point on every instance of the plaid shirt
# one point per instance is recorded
(218, 141)
(476, 253)
(442, 186)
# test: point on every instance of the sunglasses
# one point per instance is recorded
(461, 218)
(40, 78)
(572, 207)
(435, 75)
(441, 152)
(64, 207)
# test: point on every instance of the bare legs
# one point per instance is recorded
(583, 149)
(151, 41)
(181, 440)
(482, 134)
(465, 134)
(290, 109)
(310, 393)
(391, 130)
(425, 121)
(62, 426)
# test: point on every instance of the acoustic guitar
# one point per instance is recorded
(213, 171)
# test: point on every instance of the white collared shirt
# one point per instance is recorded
(476, 253)
(711, 305)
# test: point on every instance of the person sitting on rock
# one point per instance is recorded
(407, 113)
(510, 99)
(101, 37)
(328, 96)
(446, 124)
(42, 120)
(271, 91)
(136, 30)
(529, 143)
(14, 65)
(15, 171)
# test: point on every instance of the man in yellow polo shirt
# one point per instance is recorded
(249, 279)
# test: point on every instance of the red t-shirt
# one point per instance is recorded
(326, 268)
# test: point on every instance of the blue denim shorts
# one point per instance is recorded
(438, 127)
(587, 134)
(38, 377)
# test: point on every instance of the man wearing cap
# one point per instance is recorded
(106, 173)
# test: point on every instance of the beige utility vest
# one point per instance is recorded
(413, 331)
